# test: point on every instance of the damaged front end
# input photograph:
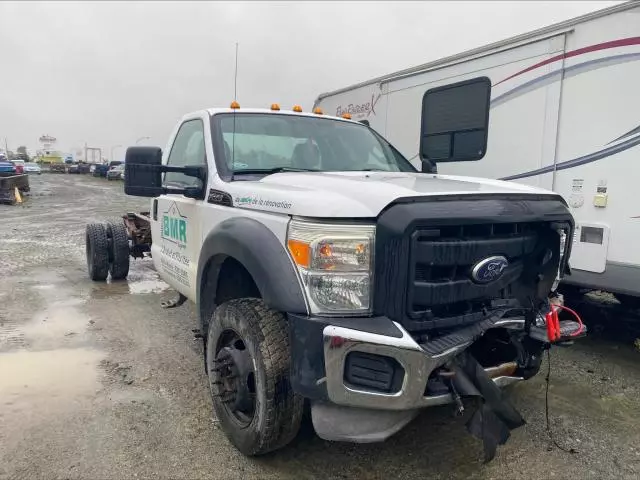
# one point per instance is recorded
(463, 287)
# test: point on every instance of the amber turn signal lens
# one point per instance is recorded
(301, 252)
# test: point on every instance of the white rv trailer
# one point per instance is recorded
(564, 115)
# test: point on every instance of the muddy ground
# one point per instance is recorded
(97, 381)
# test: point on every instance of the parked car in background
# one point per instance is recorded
(116, 172)
(102, 169)
(19, 164)
(7, 168)
(31, 167)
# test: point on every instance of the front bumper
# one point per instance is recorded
(333, 340)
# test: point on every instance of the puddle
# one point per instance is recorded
(148, 286)
(140, 281)
(46, 379)
(60, 320)
(55, 326)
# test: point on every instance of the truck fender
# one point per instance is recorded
(261, 253)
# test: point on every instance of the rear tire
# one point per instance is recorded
(248, 362)
(119, 252)
(97, 247)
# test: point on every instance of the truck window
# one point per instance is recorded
(187, 149)
(455, 121)
(255, 141)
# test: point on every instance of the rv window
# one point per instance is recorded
(455, 120)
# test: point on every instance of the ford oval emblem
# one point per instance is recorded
(489, 270)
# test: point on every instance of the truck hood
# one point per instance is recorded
(357, 194)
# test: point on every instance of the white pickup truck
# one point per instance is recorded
(326, 268)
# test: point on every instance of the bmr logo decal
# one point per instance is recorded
(174, 226)
(360, 109)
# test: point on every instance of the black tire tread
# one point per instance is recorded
(284, 409)
(98, 263)
(119, 261)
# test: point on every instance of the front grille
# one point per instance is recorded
(441, 291)
(425, 253)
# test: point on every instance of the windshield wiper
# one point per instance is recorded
(269, 171)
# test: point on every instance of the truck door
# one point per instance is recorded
(176, 226)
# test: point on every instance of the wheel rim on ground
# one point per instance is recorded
(233, 378)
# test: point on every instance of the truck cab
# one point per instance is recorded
(327, 270)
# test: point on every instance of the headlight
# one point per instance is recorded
(336, 265)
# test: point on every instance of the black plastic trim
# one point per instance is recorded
(307, 348)
(261, 253)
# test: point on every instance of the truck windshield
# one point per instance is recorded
(258, 142)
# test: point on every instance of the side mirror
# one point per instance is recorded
(143, 171)
(141, 179)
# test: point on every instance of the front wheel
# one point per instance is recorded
(248, 361)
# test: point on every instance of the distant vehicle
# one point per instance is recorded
(116, 172)
(19, 166)
(102, 169)
(31, 167)
(7, 168)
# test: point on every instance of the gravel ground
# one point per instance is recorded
(97, 381)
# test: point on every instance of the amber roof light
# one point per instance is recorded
(235, 105)
(346, 116)
(297, 108)
(318, 111)
(275, 106)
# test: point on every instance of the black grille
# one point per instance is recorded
(425, 253)
(441, 291)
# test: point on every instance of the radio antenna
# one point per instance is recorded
(235, 77)
(235, 99)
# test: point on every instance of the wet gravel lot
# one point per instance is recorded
(97, 381)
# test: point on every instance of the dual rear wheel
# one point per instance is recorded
(107, 248)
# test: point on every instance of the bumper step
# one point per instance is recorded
(460, 337)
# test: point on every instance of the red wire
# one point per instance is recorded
(581, 329)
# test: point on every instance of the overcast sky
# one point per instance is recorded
(108, 73)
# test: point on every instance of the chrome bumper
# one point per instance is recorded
(417, 365)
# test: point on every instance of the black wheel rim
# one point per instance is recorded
(233, 378)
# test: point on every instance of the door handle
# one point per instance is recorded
(155, 209)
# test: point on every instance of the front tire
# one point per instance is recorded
(119, 253)
(248, 362)
(97, 247)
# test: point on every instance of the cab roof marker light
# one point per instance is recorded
(297, 108)
(234, 105)
(275, 107)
